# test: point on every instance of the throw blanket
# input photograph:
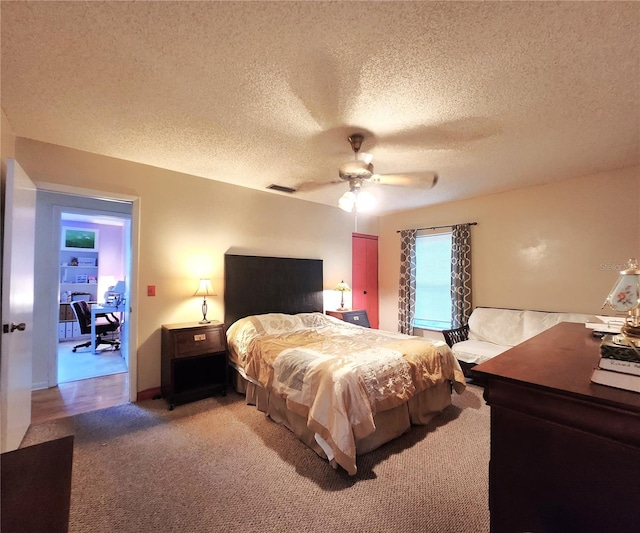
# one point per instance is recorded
(338, 375)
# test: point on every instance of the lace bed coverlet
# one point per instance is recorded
(338, 375)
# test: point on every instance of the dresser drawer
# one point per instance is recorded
(188, 343)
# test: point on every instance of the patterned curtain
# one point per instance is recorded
(461, 305)
(407, 292)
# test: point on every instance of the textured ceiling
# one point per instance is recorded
(492, 96)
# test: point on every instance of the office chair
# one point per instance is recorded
(83, 315)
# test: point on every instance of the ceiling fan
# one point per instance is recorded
(360, 171)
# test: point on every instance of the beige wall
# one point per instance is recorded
(548, 247)
(186, 226)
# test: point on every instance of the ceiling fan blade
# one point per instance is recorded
(444, 136)
(309, 186)
(327, 91)
(422, 180)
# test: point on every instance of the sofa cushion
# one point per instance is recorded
(536, 322)
(499, 326)
(476, 352)
(493, 330)
(509, 327)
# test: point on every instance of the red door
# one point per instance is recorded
(364, 275)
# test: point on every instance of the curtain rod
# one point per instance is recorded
(447, 226)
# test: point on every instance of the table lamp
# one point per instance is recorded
(204, 289)
(624, 297)
(342, 288)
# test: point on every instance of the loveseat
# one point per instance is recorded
(491, 331)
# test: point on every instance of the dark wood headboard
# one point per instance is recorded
(255, 285)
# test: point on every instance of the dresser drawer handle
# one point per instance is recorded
(200, 337)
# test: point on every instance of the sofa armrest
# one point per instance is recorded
(451, 336)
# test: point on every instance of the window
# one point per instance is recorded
(433, 281)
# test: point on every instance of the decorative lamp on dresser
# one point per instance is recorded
(194, 361)
(565, 452)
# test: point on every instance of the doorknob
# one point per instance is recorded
(20, 327)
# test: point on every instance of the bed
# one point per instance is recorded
(342, 389)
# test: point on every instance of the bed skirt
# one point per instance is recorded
(390, 424)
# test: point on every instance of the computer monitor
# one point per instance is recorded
(115, 294)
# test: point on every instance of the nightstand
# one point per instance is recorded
(194, 361)
(359, 317)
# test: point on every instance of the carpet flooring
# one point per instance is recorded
(84, 364)
(221, 465)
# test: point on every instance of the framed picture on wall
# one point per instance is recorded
(79, 239)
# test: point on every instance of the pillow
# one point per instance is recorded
(499, 326)
(239, 335)
(476, 352)
(243, 331)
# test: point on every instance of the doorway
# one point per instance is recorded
(94, 268)
(50, 207)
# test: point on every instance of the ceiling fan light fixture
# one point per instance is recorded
(364, 201)
(347, 201)
(360, 171)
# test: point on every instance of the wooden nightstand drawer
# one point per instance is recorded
(358, 317)
(195, 342)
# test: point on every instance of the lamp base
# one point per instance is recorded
(204, 312)
(342, 309)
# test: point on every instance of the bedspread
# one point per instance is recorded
(338, 375)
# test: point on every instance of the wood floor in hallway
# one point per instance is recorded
(81, 396)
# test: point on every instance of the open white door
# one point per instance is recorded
(16, 341)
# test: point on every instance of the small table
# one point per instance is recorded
(193, 361)
(358, 317)
(98, 310)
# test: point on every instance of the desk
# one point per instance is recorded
(98, 310)
(565, 452)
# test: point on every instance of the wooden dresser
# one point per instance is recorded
(565, 452)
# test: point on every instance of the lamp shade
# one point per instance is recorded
(625, 297)
(364, 201)
(361, 200)
(204, 288)
(625, 293)
(347, 201)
